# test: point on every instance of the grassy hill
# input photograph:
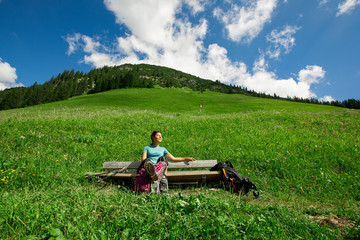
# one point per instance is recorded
(70, 84)
(175, 101)
(304, 158)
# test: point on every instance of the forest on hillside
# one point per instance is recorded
(70, 83)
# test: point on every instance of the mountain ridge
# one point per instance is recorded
(71, 83)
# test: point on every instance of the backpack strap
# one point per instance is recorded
(228, 163)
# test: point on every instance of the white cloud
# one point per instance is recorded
(7, 73)
(73, 41)
(267, 82)
(347, 6)
(77, 40)
(157, 36)
(312, 74)
(196, 5)
(281, 40)
(327, 99)
(323, 2)
(245, 23)
(149, 20)
(8, 76)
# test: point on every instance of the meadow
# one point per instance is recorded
(303, 158)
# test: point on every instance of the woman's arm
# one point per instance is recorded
(143, 156)
(177, 159)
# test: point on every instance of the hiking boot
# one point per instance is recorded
(150, 170)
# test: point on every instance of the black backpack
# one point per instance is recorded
(233, 181)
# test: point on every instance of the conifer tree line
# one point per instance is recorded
(71, 83)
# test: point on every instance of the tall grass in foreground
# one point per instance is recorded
(306, 166)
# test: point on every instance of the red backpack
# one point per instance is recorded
(142, 182)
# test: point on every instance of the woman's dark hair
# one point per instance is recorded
(153, 135)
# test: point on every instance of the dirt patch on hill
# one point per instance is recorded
(332, 221)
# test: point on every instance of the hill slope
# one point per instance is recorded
(175, 100)
(304, 159)
(71, 83)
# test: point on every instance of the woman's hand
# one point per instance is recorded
(190, 159)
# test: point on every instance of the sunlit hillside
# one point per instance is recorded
(304, 159)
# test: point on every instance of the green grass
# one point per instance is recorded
(164, 101)
(304, 158)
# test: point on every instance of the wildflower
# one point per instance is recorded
(311, 181)
(347, 194)
(281, 186)
(22, 137)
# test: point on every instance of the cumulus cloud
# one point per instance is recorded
(196, 5)
(311, 74)
(267, 82)
(7, 73)
(347, 6)
(157, 36)
(281, 40)
(8, 76)
(327, 99)
(244, 23)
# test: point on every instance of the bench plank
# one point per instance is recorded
(173, 176)
(172, 165)
(193, 176)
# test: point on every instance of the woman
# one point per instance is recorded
(152, 156)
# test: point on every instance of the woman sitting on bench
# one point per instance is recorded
(154, 158)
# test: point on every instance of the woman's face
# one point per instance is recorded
(157, 137)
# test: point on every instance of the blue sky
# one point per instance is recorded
(308, 49)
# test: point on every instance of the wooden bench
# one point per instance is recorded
(199, 172)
